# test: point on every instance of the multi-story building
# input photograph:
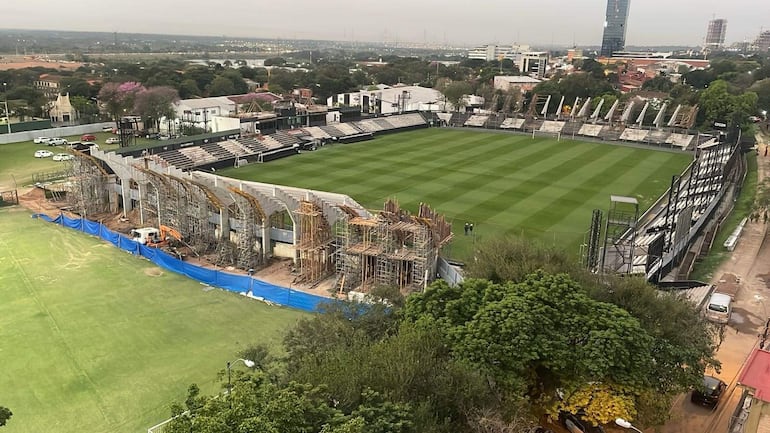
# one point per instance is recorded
(50, 85)
(715, 35)
(497, 52)
(532, 63)
(614, 38)
(762, 42)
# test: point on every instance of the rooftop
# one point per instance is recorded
(756, 374)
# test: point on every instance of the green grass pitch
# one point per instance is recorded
(505, 184)
(95, 340)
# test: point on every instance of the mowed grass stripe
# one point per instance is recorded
(505, 183)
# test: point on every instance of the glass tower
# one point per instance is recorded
(614, 38)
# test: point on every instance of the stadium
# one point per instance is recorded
(522, 178)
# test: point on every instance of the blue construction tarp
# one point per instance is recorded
(233, 282)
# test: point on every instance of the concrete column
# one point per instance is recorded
(266, 253)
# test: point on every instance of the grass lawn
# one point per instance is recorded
(503, 183)
(96, 340)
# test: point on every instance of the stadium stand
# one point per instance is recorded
(657, 136)
(217, 151)
(316, 132)
(458, 119)
(476, 120)
(532, 124)
(286, 139)
(571, 128)
(177, 159)
(198, 155)
(680, 140)
(512, 123)
(552, 126)
(252, 144)
(612, 133)
(590, 130)
(633, 134)
(348, 129)
(369, 125)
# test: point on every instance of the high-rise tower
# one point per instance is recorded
(715, 35)
(614, 38)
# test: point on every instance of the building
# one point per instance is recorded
(50, 85)
(614, 38)
(715, 35)
(62, 110)
(755, 379)
(532, 63)
(383, 99)
(510, 82)
(489, 53)
(762, 42)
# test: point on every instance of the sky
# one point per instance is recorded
(458, 22)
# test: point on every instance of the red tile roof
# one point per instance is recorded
(756, 374)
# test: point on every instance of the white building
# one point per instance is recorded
(497, 52)
(385, 99)
(532, 63)
(509, 82)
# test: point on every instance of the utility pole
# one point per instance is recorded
(7, 113)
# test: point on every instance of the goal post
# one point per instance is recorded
(536, 133)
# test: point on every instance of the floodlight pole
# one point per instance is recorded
(248, 363)
(7, 113)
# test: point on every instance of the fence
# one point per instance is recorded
(242, 284)
(449, 273)
(8, 198)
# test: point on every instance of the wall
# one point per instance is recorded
(53, 132)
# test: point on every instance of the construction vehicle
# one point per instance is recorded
(159, 237)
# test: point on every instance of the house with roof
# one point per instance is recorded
(754, 415)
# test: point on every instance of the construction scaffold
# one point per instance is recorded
(392, 249)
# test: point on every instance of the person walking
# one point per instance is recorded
(467, 227)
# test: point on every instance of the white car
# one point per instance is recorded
(112, 140)
(63, 157)
(57, 142)
(43, 153)
(41, 140)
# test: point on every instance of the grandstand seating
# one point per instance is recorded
(459, 119)
(476, 120)
(198, 155)
(658, 136)
(552, 126)
(633, 134)
(680, 140)
(532, 124)
(176, 158)
(590, 130)
(316, 132)
(612, 133)
(252, 144)
(271, 143)
(286, 139)
(571, 128)
(512, 123)
(348, 129)
(218, 151)
(236, 148)
(369, 125)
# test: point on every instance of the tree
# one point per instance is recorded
(5, 415)
(762, 90)
(221, 86)
(239, 84)
(118, 98)
(86, 108)
(189, 88)
(717, 103)
(156, 103)
(455, 92)
(275, 61)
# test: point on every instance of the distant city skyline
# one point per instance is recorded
(546, 22)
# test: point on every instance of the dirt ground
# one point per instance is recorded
(7, 64)
(749, 262)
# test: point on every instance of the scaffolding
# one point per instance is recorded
(246, 212)
(88, 192)
(392, 249)
(314, 243)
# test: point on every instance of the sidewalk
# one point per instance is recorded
(749, 262)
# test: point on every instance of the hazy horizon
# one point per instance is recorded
(552, 22)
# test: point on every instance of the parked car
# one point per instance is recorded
(57, 142)
(113, 140)
(41, 140)
(43, 153)
(108, 129)
(88, 137)
(63, 157)
(710, 392)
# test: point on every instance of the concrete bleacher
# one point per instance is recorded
(348, 129)
(633, 134)
(316, 132)
(680, 140)
(369, 125)
(198, 155)
(176, 159)
(286, 139)
(571, 128)
(407, 120)
(552, 126)
(271, 143)
(476, 120)
(458, 119)
(612, 133)
(590, 130)
(512, 123)
(658, 136)
(252, 144)
(218, 151)
(533, 124)
(332, 131)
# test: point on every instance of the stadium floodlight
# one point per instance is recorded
(248, 363)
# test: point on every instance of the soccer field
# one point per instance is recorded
(503, 183)
(93, 339)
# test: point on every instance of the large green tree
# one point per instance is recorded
(5, 415)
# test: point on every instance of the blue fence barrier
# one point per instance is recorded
(225, 280)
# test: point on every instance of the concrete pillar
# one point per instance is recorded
(266, 253)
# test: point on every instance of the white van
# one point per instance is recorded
(719, 308)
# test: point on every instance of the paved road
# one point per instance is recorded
(749, 261)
